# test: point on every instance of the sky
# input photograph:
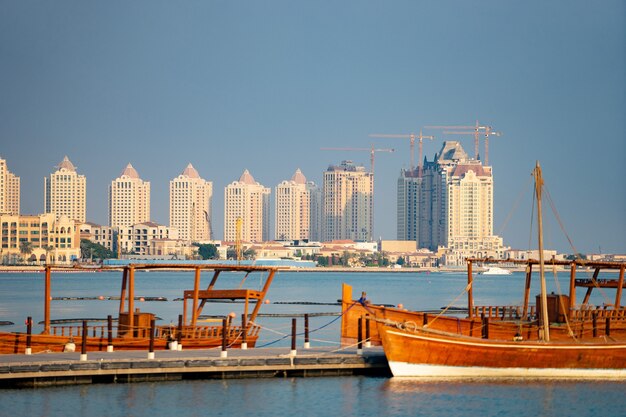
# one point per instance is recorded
(264, 85)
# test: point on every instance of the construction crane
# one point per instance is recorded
(476, 129)
(371, 150)
(487, 132)
(475, 132)
(411, 137)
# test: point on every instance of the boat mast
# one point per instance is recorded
(545, 321)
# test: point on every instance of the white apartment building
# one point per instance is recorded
(249, 201)
(129, 199)
(9, 190)
(65, 192)
(293, 209)
(190, 205)
(348, 202)
(102, 235)
(136, 239)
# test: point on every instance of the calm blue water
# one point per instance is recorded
(21, 295)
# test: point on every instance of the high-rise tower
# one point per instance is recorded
(65, 192)
(249, 201)
(348, 201)
(293, 209)
(129, 199)
(190, 205)
(9, 190)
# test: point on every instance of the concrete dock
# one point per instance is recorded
(49, 369)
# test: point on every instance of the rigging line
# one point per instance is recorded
(515, 206)
(532, 220)
(243, 280)
(558, 218)
(466, 289)
(562, 304)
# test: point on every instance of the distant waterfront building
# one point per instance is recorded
(136, 239)
(293, 213)
(129, 199)
(249, 201)
(9, 190)
(316, 209)
(102, 235)
(450, 207)
(48, 238)
(65, 192)
(190, 205)
(408, 205)
(348, 201)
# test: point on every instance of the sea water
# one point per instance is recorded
(21, 295)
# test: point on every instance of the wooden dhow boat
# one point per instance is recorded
(134, 328)
(422, 351)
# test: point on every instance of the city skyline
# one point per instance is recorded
(229, 87)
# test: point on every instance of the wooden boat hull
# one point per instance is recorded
(436, 354)
(15, 343)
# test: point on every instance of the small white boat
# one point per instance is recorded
(494, 270)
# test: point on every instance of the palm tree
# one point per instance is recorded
(26, 247)
(48, 249)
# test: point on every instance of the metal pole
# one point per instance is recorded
(244, 332)
(110, 333)
(83, 347)
(29, 332)
(224, 352)
(307, 343)
(293, 337)
(151, 347)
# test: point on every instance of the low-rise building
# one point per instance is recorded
(38, 239)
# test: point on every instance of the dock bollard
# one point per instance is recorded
(29, 332)
(359, 343)
(151, 347)
(244, 332)
(307, 344)
(224, 352)
(83, 345)
(293, 338)
(110, 334)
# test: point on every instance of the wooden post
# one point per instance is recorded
(470, 292)
(123, 290)
(607, 326)
(29, 332)
(368, 342)
(151, 346)
(224, 352)
(485, 327)
(110, 333)
(46, 302)
(131, 299)
(83, 346)
(359, 345)
(425, 319)
(594, 321)
(196, 292)
(307, 343)
(293, 337)
(620, 285)
(572, 289)
(529, 271)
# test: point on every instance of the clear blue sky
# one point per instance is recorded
(263, 85)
